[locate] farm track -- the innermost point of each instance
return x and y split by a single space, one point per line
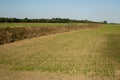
91 54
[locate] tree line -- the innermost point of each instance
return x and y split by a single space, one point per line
52 20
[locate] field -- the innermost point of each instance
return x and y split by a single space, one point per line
90 54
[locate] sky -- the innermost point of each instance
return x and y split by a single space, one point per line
95 10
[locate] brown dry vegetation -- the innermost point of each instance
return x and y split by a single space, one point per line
9 34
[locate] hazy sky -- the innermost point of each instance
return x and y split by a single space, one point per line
96 10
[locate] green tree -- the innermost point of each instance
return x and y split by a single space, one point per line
1 19
104 22
25 19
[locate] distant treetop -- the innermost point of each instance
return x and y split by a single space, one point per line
52 20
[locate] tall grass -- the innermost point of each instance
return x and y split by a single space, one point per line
12 34
38 24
